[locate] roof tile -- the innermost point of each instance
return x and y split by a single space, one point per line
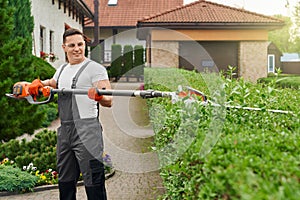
128 12
208 12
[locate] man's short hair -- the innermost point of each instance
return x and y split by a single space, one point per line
71 31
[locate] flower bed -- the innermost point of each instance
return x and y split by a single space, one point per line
37 159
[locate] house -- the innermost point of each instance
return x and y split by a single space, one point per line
118 20
274 55
290 63
51 18
209 36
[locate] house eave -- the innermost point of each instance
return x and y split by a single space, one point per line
212 26
112 27
85 9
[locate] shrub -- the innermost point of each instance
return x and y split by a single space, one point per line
127 58
116 58
38 157
138 55
14 179
41 151
282 81
255 154
138 60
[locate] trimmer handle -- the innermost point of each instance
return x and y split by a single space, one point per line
31 100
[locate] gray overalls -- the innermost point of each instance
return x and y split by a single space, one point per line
79 149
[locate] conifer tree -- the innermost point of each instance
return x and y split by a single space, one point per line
17 64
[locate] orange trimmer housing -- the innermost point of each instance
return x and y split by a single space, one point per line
20 89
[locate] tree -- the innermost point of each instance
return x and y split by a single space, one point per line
296 28
281 37
18 64
287 39
23 21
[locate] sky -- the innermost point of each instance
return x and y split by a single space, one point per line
266 7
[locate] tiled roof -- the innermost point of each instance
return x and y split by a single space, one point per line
127 12
208 12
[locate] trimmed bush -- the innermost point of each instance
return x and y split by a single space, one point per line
282 81
138 55
116 64
138 60
127 58
255 153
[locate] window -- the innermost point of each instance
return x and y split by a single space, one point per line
112 2
51 41
271 63
42 39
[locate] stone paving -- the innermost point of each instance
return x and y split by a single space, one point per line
127 138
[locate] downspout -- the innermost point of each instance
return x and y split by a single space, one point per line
96 23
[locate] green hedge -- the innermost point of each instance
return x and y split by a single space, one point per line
256 154
139 60
116 61
127 58
282 81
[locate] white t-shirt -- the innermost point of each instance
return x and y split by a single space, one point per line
93 72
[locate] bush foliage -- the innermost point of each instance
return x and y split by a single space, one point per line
17 64
41 151
282 81
116 61
254 154
13 179
127 58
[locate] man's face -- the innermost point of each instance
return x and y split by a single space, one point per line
74 47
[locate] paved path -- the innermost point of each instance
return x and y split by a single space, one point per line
127 138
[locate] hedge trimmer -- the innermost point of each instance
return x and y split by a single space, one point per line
20 92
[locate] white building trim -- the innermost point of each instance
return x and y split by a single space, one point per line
51 18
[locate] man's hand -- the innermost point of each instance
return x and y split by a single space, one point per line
34 87
92 93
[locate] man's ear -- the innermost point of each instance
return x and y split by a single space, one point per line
64 47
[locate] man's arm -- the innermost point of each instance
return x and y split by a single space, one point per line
49 82
106 101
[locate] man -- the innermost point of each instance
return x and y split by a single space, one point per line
79 140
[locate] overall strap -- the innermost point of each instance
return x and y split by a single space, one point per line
75 79
62 68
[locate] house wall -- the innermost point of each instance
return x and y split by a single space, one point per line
252 48
291 67
53 19
253 60
209 35
164 54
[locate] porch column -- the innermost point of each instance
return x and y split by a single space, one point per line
253 60
164 54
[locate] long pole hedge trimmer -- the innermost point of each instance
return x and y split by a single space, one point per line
20 91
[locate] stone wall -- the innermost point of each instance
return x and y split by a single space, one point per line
253 60
164 54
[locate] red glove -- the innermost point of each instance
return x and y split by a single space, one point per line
92 93
34 87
